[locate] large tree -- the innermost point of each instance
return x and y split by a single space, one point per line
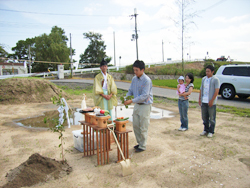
21 50
3 52
53 48
95 51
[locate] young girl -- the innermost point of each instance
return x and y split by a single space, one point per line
181 85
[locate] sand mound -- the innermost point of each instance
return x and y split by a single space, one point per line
24 90
37 169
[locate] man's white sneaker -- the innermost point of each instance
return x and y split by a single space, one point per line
203 133
184 129
209 135
180 129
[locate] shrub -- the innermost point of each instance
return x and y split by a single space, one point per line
195 72
129 69
215 64
123 77
172 69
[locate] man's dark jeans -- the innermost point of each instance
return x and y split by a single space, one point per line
208 116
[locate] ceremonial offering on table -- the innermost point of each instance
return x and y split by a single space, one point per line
102 117
120 124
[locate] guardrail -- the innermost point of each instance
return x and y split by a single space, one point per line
45 74
68 72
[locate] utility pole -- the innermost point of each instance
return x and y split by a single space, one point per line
182 28
114 51
136 35
71 64
29 61
162 52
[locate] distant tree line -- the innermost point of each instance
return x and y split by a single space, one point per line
53 48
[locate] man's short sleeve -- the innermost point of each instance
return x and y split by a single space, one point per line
217 83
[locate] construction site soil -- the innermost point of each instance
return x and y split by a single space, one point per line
31 157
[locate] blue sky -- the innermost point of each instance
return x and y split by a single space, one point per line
222 27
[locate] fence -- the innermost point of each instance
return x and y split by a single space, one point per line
68 72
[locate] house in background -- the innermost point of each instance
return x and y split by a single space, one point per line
13 68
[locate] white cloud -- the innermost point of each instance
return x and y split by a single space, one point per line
233 41
120 20
229 33
235 19
226 35
147 3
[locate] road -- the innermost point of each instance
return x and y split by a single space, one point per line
169 93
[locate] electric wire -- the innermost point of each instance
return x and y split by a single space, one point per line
56 14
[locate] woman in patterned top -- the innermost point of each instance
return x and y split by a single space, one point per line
183 103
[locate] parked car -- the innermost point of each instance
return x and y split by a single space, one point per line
234 80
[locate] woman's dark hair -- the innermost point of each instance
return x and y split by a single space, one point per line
190 76
210 67
139 64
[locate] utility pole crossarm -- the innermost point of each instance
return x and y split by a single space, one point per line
136 35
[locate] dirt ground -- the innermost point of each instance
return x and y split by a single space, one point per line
26 90
172 159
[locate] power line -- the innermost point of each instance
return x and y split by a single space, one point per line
36 61
4 24
54 14
214 5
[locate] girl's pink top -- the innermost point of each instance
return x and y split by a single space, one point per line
181 89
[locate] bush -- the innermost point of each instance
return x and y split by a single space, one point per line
195 72
172 69
215 64
91 66
123 77
129 69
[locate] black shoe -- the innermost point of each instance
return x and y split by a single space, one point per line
139 150
137 146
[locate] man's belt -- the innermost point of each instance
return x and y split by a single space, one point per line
140 103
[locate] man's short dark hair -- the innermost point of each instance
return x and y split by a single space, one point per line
139 64
210 67
190 76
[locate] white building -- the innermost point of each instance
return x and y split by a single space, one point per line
13 68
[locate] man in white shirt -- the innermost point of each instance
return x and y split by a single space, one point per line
207 100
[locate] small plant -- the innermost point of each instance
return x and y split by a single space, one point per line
127 98
58 128
123 77
88 176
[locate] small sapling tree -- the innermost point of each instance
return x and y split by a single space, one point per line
58 127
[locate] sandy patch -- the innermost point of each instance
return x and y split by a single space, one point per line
172 158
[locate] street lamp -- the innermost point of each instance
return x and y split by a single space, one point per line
120 61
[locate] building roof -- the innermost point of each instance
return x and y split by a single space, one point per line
12 64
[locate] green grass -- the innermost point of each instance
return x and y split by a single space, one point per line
75 91
172 83
243 112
